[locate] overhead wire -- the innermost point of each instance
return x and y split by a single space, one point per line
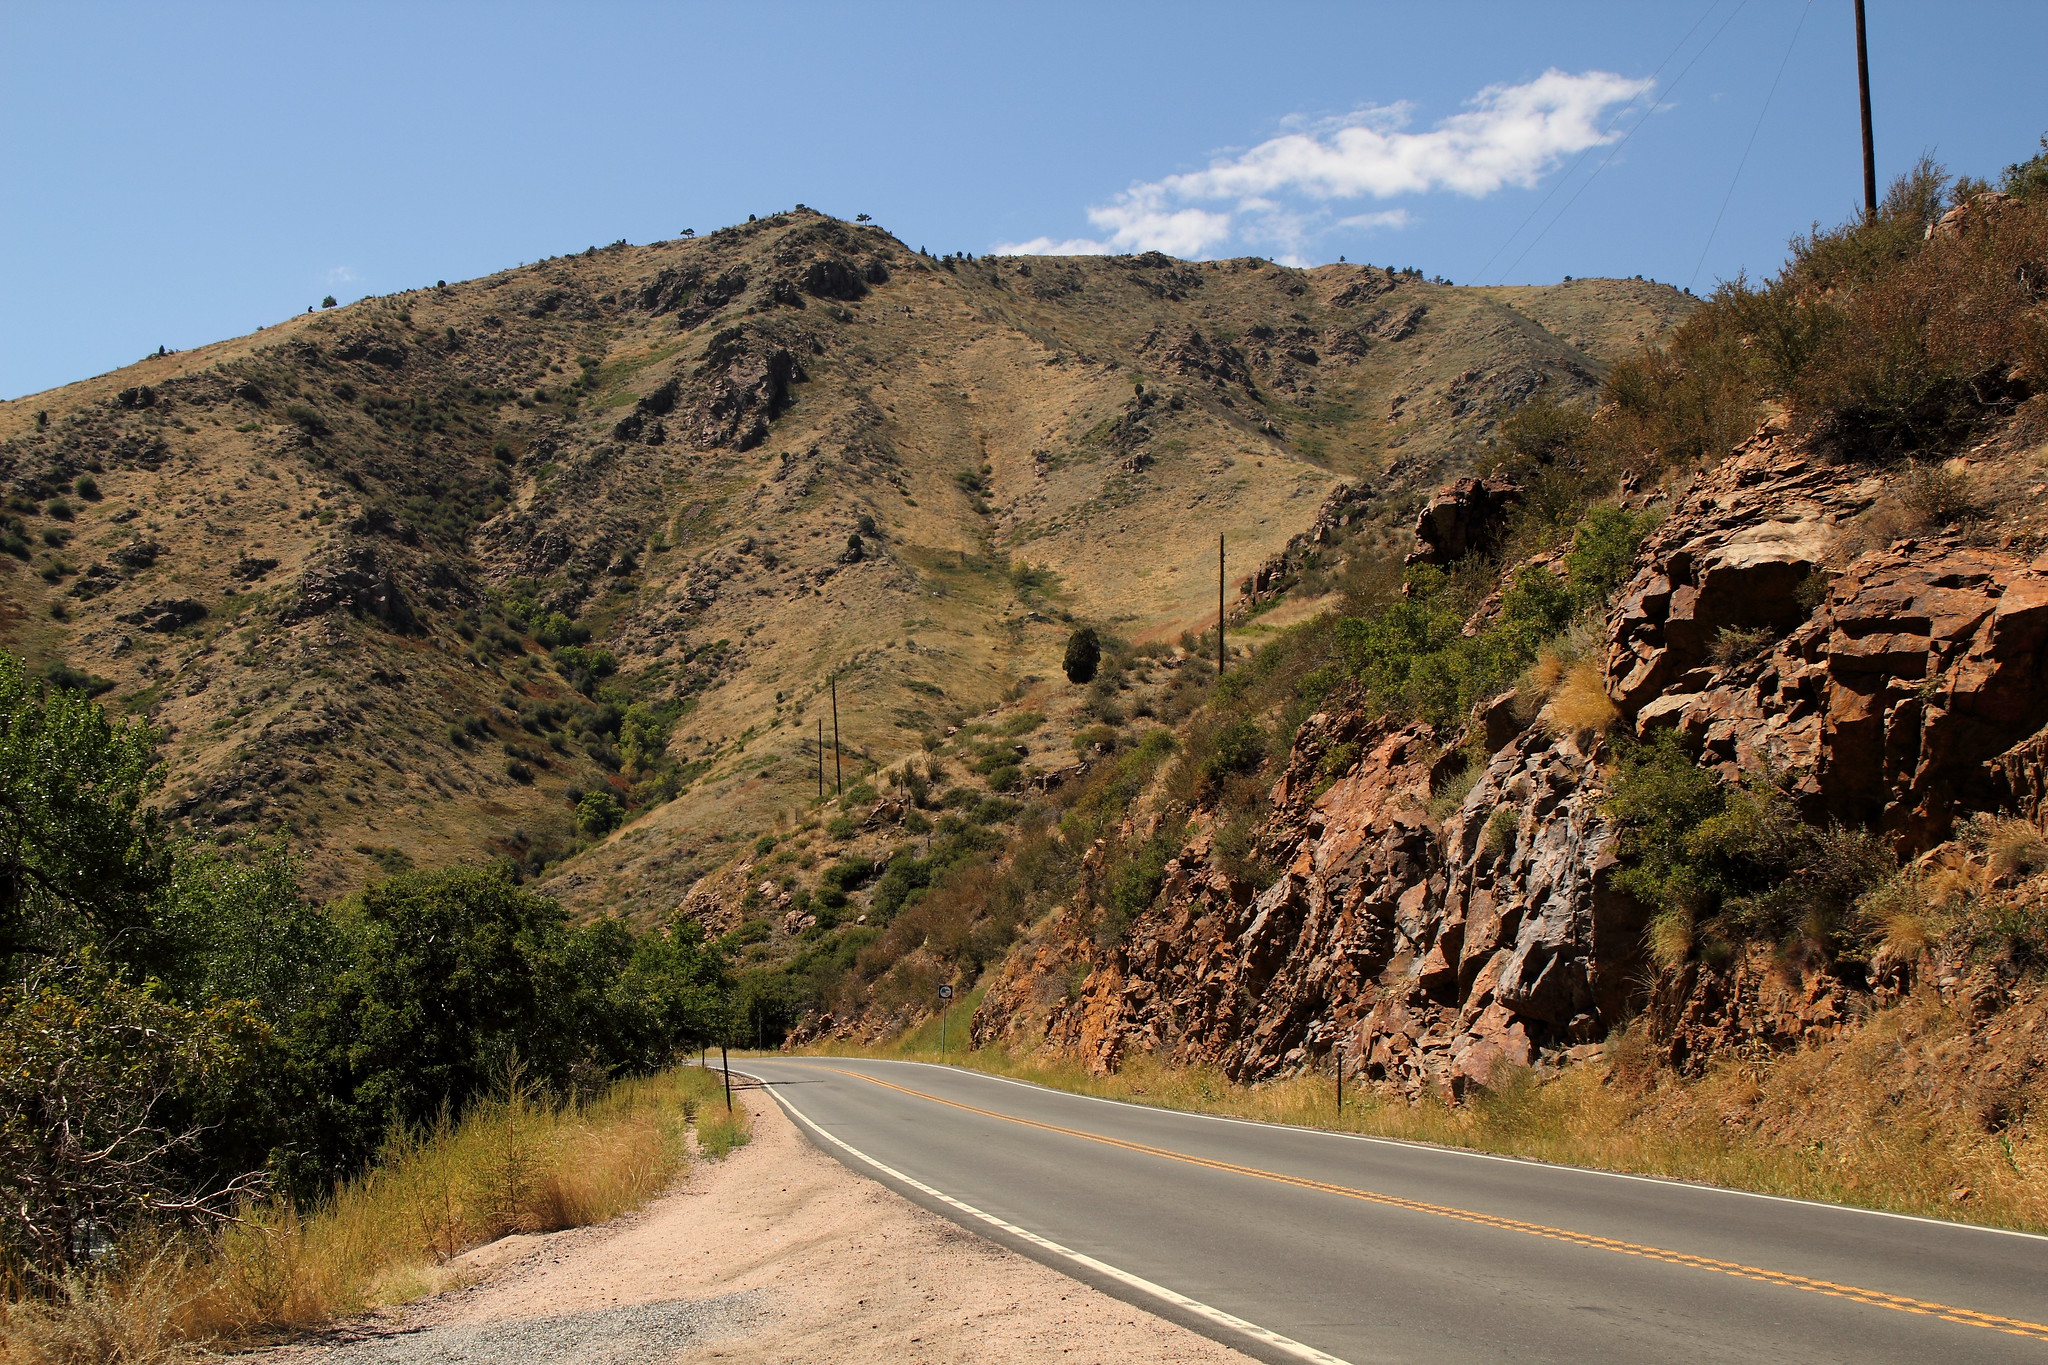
1786 61
1587 151
1616 149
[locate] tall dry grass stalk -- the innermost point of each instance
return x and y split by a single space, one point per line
1838 1122
517 1163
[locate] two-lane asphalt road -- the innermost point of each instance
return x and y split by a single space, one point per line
1296 1245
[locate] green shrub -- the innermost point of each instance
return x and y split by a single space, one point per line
598 814
1131 883
58 674
1723 865
1501 827
555 630
1083 656
306 419
1238 747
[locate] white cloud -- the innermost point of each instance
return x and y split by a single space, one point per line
1050 246
1277 194
341 275
1373 222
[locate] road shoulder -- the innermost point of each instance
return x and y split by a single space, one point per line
777 1253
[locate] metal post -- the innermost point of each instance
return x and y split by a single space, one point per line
1863 91
1340 1081
727 1067
838 773
1219 606
944 1010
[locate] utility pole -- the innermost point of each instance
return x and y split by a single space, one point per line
1863 90
1219 606
838 773
821 758
727 1068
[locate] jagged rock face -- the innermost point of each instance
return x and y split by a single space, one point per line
1423 955
1462 518
1697 1012
1732 556
1895 692
748 382
1886 701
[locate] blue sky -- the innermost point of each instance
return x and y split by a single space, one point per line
177 173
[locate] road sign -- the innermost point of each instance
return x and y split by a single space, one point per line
945 992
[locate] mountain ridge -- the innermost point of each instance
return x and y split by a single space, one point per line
610 520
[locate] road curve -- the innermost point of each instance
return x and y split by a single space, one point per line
1292 1245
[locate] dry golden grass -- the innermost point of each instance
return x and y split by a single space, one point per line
515 1164
2014 848
1579 704
1903 1113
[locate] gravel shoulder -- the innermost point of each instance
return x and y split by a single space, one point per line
778 1253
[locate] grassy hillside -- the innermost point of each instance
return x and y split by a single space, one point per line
485 568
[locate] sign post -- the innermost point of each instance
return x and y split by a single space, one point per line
945 1008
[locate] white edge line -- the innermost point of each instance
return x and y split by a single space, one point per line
1666 1182
1263 1335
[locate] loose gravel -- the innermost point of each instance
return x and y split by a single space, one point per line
631 1335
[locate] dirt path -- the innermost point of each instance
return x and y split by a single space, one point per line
776 1254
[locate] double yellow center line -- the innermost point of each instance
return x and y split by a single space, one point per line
1967 1317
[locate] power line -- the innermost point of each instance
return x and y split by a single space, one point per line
1804 10
1580 159
1616 151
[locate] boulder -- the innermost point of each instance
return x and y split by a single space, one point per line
165 615
1462 518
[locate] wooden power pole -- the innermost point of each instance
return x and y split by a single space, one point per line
1863 92
821 758
838 773
1219 606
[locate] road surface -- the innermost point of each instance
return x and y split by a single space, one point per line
1296 1245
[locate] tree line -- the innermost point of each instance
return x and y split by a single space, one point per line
183 1030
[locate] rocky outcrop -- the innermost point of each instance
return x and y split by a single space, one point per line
1427 951
356 581
1420 953
1463 518
747 379
1885 694
165 615
1347 505
1199 357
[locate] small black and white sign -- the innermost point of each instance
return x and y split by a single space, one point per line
945 992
